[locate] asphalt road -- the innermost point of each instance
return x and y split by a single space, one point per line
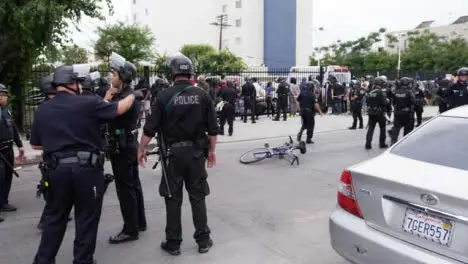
264 213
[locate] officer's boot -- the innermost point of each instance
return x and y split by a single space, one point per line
230 131
309 137
221 131
1 219
368 145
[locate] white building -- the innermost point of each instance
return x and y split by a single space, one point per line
176 22
458 29
274 33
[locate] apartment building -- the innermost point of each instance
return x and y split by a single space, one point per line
273 33
457 29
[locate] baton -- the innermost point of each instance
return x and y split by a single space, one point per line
163 167
9 165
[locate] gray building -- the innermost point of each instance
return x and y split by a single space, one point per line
457 29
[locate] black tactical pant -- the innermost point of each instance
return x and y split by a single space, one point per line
357 115
129 191
185 165
373 121
269 107
226 115
418 109
401 121
308 123
282 107
249 104
6 174
72 185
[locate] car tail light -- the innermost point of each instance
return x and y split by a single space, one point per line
346 198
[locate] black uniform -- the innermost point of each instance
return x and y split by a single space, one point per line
419 104
307 103
72 148
355 99
248 94
282 103
185 121
458 95
8 135
443 95
123 141
229 96
404 102
377 106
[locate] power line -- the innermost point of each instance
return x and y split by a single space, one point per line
221 23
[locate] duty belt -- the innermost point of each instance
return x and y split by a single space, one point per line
6 144
182 144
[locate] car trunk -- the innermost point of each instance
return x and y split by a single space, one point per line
421 203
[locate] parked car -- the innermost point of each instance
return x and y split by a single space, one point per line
409 204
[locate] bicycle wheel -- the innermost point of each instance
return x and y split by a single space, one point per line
255 155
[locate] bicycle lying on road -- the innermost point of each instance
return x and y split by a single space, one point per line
285 151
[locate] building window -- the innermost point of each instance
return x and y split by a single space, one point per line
238 22
239 4
134 2
238 40
146 11
225 8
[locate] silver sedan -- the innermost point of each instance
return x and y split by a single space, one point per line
409 204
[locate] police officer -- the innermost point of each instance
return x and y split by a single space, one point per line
308 104
388 93
282 103
46 87
8 135
123 144
377 104
89 84
404 102
103 87
355 98
229 96
458 92
419 103
72 149
185 120
443 95
249 94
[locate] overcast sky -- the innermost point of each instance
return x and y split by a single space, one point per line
341 19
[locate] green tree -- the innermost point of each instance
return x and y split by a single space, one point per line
133 42
73 55
29 27
208 60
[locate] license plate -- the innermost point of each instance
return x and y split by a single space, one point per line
429 227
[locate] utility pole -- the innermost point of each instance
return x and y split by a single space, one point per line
221 22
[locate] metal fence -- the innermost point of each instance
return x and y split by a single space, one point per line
33 97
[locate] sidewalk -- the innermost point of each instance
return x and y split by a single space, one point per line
264 128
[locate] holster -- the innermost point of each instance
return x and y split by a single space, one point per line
119 139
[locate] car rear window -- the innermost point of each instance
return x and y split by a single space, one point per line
442 141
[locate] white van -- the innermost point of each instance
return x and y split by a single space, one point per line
342 73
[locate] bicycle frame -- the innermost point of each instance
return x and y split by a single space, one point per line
286 149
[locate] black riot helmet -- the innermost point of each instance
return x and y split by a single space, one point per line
65 75
45 84
332 78
3 89
355 83
180 65
379 81
127 70
91 81
462 71
406 82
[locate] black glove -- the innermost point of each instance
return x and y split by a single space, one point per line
138 94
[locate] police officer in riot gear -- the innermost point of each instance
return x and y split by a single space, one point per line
404 102
72 149
185 119
458 92
443 95
229 96
248 94
123 144
355 98
309 105
89 84
45 85
377 104
388 93
8 136
282 103
419 103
